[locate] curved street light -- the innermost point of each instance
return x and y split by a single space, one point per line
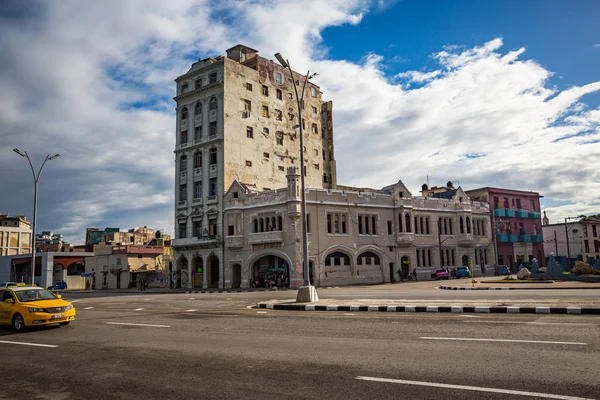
306 293
36 178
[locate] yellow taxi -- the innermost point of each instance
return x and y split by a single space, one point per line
23 306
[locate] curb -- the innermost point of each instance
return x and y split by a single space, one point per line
435 309
515 288
237 291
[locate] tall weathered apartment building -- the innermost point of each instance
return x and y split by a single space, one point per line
237 121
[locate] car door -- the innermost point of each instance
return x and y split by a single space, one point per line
5 308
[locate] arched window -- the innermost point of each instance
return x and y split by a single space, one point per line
337 258
279 223
273 224
184 113
368 258
213 104
198 109
213 156
462 225
468 225
407 220
400 222
255 225
198 159
183 163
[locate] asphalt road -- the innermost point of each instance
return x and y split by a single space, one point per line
220 349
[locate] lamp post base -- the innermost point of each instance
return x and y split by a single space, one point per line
307 294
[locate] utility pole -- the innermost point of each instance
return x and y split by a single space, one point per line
439 224
568 250
555 243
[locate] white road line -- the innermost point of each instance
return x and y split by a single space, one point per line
261 312
147 299
29 344
192 310
88 308
132 324
211 315
75 301
530 323
138 309
349 314
192 298
500 340
472 388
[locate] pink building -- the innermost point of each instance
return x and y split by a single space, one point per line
516 221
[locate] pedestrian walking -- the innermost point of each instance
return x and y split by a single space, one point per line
415 274
400 274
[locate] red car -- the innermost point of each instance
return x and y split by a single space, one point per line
441 274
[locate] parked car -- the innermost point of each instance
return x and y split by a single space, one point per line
7 284
58 285
463 272
501 270
441 274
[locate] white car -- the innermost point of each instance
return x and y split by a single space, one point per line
7 284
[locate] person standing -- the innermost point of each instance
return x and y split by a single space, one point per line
415 274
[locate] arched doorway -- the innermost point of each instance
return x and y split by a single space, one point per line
236 276
182 265
271 270
212 263
198 272
405 265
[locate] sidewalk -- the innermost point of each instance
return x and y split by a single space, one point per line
493 283
440 306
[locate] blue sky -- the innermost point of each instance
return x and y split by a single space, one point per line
488 93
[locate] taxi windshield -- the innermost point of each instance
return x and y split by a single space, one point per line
34 295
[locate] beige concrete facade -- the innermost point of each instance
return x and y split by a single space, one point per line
583 238
354 237
15 235
237 120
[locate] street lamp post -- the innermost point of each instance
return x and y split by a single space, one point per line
36 179
306 293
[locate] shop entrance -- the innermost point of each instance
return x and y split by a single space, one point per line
271 271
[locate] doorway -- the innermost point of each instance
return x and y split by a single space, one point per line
392 273
118 279
405 261
236 276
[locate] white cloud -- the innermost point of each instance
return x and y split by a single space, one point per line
71 90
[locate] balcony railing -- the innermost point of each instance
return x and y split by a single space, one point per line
525 238
535 214
466 239
265 237
196 240
522 214
499 212
233 242
405 238
537 238
509 212
513 238
501 238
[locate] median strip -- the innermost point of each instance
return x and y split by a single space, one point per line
471 388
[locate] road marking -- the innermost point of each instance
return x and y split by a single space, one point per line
72 301
472 388
212 315
132 324
261 312
147 299
530 323
349 314
29 344
501 340
138 309
88 308
192 298
192 310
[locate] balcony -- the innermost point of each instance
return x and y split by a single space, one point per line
525 238
405 239
509 212
522 214
535 214
537 238
499 212
184 124
466 239
501 238
196 241
197 171
234 242
265 237
513 238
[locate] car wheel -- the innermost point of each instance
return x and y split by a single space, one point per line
65 323
18 323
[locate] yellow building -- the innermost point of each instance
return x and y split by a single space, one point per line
15 235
